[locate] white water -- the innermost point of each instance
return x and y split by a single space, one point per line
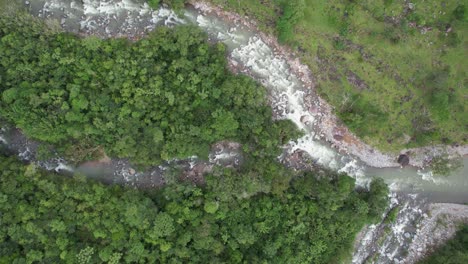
63 167
105 18
128 18
289 98
3 140
285 89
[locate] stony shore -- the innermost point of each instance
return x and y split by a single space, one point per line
440 225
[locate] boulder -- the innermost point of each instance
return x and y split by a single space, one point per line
403 160
338 137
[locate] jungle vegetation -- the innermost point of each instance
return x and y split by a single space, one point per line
395 71
48 218
166 96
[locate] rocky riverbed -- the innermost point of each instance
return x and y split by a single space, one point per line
292 95
439 225
327 126
296 97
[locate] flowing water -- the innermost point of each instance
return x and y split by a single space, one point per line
411 189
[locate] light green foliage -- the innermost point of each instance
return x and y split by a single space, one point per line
153 3
9 7
455 251
395 73
54 219
211 207
392 215
166 96
267 12
443 165
174 4
293 11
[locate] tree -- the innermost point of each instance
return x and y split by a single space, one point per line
165 96
51 218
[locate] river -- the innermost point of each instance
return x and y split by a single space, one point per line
291 96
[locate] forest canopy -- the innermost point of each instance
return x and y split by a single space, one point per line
49 218
165 96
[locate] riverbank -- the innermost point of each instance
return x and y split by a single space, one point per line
327 124
314 118
440 224
413 233
136 20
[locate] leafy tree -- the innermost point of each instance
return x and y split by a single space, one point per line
165 96
51 218
293 11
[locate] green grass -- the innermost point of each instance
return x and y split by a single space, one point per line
414 71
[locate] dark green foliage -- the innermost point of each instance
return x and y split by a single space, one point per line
377 198
460 13
388 3
153 3
362 117
166 96
54 219
293 11
455 251
392 215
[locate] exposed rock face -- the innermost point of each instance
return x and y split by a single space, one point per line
403 160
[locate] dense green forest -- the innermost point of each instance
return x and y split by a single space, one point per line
166 96
395 71
49 218
395 74
455 251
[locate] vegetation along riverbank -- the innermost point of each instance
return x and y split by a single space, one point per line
170 95
394 71
313 218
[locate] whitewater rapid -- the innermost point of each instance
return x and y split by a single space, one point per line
290 98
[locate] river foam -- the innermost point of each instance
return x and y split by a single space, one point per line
288 95
3 140
121 18
289 98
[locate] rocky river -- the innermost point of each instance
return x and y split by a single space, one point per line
415 192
